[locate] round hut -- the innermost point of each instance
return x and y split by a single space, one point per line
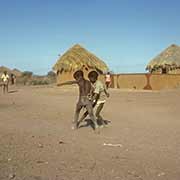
77 58
17 72
3 68
167 62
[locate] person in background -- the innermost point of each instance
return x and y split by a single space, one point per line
108 79
5 81
13 79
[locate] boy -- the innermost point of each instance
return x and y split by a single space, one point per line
85 89
99 97
5 80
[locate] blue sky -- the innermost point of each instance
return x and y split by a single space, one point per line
126 34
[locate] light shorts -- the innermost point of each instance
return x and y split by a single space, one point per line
100 102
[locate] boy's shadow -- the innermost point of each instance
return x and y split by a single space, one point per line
89 122
13 91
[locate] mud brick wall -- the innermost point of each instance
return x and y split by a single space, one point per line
146 81
135 81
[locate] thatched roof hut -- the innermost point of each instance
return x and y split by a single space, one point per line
77 58
167 61
16 72
3 68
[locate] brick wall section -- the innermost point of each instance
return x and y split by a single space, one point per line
146 81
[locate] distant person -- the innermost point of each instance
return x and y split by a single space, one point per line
5 81
108 79
85 90
13 79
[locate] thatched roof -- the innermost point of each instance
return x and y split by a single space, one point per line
170 57
17 72
3 68
9 71
78 57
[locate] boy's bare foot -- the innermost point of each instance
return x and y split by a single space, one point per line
96 128
103 125
74 126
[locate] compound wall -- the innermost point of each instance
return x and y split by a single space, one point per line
146 81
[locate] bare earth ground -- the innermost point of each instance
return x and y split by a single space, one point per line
37 143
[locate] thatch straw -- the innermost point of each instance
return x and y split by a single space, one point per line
168 59
76 58
3 68
16 72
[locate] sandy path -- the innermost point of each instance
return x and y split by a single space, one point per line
36 142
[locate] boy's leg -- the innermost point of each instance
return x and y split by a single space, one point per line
89 108
82 118
98 111
107 85
7 88
76 116
84 115
4 87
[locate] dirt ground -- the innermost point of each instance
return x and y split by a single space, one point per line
142 142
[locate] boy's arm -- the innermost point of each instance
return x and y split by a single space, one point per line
67 83
2 78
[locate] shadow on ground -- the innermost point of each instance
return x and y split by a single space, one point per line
89 123
12 91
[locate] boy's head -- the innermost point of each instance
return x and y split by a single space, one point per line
78 75
93 76
5 72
